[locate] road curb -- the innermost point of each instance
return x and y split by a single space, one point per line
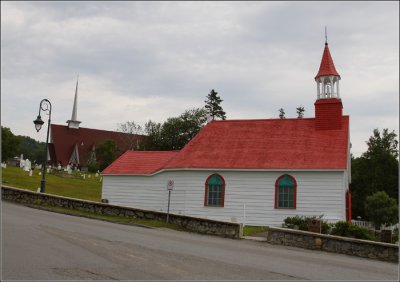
260 239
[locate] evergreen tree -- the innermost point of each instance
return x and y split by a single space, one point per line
281 113
213 106
300 112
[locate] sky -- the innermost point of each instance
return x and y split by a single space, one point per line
140 61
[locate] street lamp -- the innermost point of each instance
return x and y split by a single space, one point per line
45 106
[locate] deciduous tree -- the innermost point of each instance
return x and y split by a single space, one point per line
175 132
106 153
376 170
133 135
381 209
9 144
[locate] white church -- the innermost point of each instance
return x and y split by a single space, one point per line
255 172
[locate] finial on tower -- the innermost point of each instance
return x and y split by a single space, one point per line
326 36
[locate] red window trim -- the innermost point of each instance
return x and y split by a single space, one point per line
206 191
295 192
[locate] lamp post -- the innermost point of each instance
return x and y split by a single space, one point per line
45 106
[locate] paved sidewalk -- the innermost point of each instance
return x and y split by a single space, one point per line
257 237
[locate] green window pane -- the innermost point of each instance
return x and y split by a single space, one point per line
215 190
285 192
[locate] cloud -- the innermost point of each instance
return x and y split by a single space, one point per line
153 60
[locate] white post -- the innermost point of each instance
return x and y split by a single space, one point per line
244 215
318 89
337 88
323 87
169 200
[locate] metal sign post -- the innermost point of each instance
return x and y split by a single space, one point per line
170 187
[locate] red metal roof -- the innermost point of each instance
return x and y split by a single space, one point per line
64 140
140 162
250 144
327 66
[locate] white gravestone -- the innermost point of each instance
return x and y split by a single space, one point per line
27 166
69 170
21 161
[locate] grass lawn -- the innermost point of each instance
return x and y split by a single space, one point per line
112 218
250 230
88 189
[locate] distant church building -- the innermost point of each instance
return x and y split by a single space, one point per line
257 172
75 145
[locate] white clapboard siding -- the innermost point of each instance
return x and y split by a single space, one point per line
249 196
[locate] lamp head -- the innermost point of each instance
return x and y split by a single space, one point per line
38 123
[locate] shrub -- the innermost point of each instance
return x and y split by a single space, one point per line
301 223
295 222
345 229
395 235
93 167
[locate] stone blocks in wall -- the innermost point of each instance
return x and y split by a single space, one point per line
199 225
335 244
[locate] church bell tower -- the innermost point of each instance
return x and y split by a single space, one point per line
328 107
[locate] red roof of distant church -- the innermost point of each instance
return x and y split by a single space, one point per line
327 66
65 139
249 144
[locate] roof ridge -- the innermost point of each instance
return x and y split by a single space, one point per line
96 129
263 119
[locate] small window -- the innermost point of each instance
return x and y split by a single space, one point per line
215 191
285 192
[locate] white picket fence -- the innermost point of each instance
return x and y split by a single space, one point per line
369 225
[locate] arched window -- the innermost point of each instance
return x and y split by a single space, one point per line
285 192
215 191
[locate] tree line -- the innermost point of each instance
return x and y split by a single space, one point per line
175 132
15 145
375 179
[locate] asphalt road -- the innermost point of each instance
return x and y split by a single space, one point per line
40 245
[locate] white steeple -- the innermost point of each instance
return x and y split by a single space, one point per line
73 122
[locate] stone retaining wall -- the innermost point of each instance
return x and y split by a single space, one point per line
335 244
199 225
